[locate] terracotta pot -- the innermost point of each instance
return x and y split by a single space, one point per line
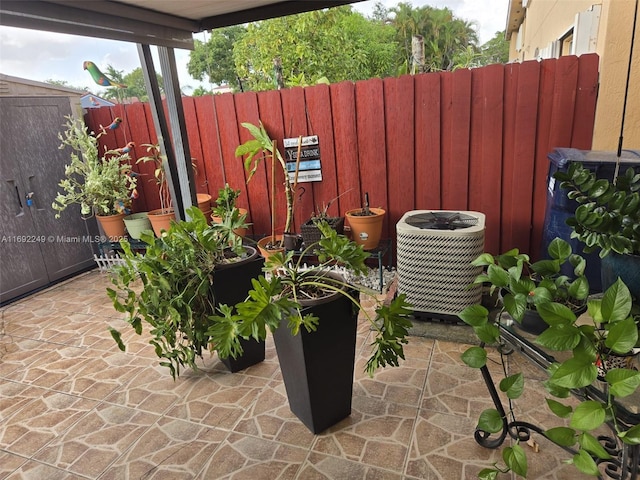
366 229
161 220
204 204
238 231
267 252
113 226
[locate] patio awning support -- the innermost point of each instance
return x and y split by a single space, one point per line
177 153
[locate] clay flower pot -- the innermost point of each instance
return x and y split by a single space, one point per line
161 220
366 229
113 226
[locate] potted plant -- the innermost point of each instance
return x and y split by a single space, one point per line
100 185
311 233
585 348
312 313
366 224
261 142
226 206
607 218
523 286
162 217
175 285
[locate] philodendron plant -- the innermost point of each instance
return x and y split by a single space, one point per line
277 296
170 286
612 330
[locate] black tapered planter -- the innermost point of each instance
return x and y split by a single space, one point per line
231 285
317 367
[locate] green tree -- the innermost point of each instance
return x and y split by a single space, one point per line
134 81
445 36
495 50
215 57
335 43
63 83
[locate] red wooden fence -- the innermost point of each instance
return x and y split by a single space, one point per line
465 140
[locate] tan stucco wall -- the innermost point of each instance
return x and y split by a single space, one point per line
547 20
616 30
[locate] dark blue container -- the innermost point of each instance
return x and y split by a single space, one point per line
559 207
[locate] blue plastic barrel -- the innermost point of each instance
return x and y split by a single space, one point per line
559 207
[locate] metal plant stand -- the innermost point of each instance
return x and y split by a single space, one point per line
624 463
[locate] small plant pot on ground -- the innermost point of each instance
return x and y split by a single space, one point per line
242 232
204 204
113 226
366 230
161 220
533 323
137 223
317 367
269 246
311 234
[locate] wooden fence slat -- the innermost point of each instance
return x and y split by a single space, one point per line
524 155
455 139
427 142
270 108
512 75
545 111
195 145
211 160
372 160
257 190
485 167
399 131
564 99
295 124
343 107
585 108
147 189
319 105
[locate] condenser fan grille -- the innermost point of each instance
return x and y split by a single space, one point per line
441 220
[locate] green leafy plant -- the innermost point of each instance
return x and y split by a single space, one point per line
226 201
612 330
159 174
253 149
276 297
525 285
608 212
176 297
100 185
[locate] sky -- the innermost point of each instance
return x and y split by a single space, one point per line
42 56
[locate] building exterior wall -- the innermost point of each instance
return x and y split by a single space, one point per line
21 87
544 25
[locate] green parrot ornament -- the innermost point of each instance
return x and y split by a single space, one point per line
99 77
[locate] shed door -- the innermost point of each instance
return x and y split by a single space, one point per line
37 249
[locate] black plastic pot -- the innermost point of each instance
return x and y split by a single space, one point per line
231 285
317 367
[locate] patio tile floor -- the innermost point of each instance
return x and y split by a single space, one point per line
73 406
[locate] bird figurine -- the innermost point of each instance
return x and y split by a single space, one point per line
99 77
127 148
112 126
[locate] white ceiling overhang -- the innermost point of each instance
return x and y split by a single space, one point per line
167 23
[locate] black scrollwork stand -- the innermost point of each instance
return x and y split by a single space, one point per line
624 463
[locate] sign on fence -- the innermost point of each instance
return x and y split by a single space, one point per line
309 168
